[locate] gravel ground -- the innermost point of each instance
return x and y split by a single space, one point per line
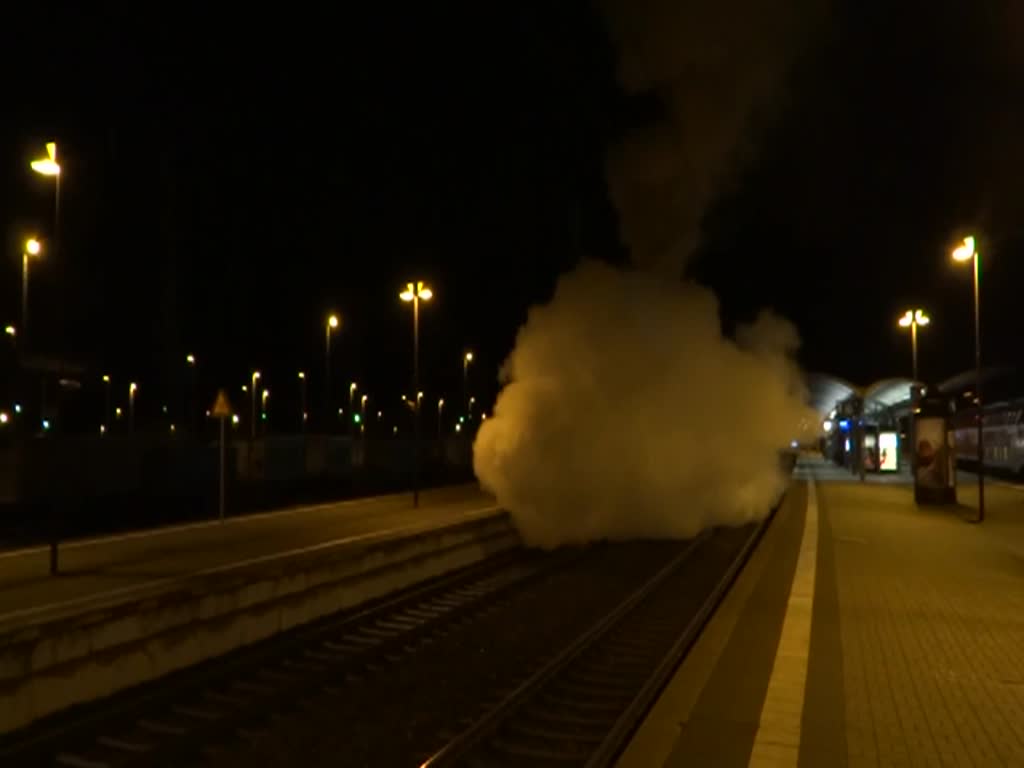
398 714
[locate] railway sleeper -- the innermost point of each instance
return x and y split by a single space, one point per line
396 624
306 667
448 603
579 720
161 727
610 705
523 726
612 670
376 632
353 642
602 679
567 754
73 760
634 646
277 676
424 614
613 660
574 688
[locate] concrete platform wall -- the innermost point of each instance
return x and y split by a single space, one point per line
62 660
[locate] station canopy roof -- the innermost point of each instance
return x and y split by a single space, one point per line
824 391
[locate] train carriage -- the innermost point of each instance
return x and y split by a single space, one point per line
1003 436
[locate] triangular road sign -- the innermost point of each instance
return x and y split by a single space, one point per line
221 407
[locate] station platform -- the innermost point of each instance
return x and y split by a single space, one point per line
864 631
111 570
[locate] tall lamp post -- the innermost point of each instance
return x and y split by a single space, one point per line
415 293
48 166
964 252
106 402
912 319
332 325
132 389
45 166
466 360
190 401
440 410
252 404
351 407
31 250
302 399
362 412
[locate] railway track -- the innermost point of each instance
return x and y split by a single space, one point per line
528 659
581 707
226 698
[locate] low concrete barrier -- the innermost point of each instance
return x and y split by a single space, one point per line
56 661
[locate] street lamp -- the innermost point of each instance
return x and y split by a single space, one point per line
263 407
252 404
333 323
414 293
106 399
48 166
32 249
132 389
351 395
912 319
191 405
362 412
967 251
440 410
11 331
469 415
466 360
302 398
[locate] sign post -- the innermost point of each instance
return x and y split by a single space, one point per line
221 410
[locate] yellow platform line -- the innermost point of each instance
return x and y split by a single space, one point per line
777 742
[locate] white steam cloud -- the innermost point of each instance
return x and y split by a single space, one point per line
626 413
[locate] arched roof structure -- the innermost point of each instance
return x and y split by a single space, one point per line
824 391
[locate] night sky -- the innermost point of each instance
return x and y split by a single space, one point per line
905 131
230 179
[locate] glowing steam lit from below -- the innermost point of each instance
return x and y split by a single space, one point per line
626 413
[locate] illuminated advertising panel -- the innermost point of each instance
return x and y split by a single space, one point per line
888 451
870 453
934 462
